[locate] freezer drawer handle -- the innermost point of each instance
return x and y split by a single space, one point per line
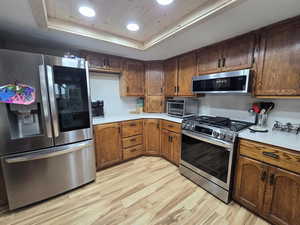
47 155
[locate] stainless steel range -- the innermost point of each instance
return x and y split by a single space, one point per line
208 150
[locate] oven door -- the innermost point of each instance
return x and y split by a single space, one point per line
209 157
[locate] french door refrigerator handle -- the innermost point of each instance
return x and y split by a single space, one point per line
52 100
44 96
45 155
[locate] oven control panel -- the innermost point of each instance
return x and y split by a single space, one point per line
217 133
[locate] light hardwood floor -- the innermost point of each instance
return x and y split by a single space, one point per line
144 191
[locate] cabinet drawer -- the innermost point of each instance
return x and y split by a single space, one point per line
132 128
132 141
171 126
132 152
270 154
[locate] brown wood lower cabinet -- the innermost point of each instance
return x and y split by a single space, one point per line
152 136
270 191
171 146
116 142
108 144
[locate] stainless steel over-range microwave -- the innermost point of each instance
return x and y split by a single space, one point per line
226 82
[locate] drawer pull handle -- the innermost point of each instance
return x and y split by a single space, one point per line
271 154
132 124
170 126
132 140
134 150
263 175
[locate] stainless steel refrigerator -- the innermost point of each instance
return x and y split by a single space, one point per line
46 147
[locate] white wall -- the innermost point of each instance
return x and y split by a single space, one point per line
105 87
236 107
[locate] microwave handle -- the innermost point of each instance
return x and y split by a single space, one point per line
228 147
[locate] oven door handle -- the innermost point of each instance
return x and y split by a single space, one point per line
229 147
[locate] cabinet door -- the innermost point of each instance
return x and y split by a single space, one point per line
283 197
166 144
187 69
279 67
154 79
96 60
238 53
209 59
250 183
170 76
108 144
176 148
132 79
114 64
155 104
152 136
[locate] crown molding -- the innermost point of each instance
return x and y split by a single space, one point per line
39 11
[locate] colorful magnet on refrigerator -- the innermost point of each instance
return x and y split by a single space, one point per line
17 94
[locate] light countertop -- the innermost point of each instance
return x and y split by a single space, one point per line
124 117
276 138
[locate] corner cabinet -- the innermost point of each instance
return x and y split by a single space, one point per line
268 182
132 79
154 99
279 57
108 144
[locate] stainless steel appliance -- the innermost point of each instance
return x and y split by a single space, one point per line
208 149
182 108
47 146
226 82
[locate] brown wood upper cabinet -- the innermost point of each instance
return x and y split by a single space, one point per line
152 136
186 71
171 77
108 144
233 54
155 104
154 79
278 64
132 80
102 63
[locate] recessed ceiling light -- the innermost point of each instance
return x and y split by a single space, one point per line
133 27
87 11
164 2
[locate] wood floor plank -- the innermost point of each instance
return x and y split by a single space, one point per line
144 191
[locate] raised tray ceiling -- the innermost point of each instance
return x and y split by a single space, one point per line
157 22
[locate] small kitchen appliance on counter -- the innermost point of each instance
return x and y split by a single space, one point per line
182 108
208 150
98 108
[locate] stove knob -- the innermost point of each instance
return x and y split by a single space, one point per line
215 134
